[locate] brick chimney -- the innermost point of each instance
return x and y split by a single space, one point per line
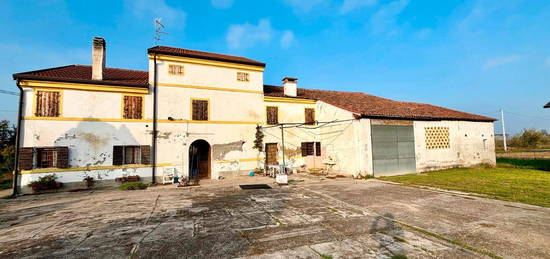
98 58
290 85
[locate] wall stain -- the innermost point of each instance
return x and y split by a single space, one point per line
220 150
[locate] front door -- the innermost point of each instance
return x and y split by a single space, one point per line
199 160
271 154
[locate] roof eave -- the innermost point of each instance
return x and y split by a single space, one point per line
153 51
368 116
93 82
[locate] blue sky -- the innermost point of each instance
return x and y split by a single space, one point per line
476 56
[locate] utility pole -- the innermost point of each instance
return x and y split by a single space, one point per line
503 130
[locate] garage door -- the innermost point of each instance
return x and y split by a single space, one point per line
393 149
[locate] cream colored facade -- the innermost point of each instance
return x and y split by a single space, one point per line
91 123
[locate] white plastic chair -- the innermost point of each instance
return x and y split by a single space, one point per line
168 174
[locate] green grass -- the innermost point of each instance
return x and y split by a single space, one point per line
133 186
509 184
539 164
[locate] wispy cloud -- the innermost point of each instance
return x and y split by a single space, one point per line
242 36
302 6
548 61
222 4
286 39
501 61
386 16
246 35
154 9
352 5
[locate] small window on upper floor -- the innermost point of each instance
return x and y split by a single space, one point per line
310 116
199 110
175 70
48 104
133 107
272 114
242 77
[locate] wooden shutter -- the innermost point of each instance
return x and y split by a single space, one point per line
26 155
145 154
118 155
304 149
62 157
200 110
310 116
318 148
47 104
133 106
271 153
272 115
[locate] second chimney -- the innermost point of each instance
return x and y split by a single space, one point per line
98 58
290 85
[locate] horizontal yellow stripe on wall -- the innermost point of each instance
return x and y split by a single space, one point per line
215 88
77 169
84 87
288 100
208 62
240 160
141 120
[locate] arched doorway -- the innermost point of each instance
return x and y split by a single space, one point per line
199 159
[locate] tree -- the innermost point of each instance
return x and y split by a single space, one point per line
531 138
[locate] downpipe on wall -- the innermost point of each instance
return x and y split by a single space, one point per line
154 144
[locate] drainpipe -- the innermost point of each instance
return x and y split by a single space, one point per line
17 140
154 147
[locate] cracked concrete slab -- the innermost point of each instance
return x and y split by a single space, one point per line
342 218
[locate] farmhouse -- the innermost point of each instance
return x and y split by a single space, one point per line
203 115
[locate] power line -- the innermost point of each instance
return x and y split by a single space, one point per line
9 92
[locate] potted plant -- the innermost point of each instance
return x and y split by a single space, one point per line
47 182
89 181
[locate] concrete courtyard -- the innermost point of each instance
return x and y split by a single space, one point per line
313 218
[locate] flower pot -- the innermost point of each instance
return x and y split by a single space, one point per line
281 179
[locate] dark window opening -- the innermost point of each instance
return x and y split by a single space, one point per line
310 116
133 106
43 157
127 155
311 148
47 104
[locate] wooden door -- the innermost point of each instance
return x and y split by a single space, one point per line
271 154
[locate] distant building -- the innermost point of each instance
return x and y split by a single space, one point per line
80 121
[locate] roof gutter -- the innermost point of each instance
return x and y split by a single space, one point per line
155 100
17 141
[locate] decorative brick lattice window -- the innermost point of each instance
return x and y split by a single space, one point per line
437 137
133 107
48 104
175 70
242 77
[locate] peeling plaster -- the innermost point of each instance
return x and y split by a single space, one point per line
219 151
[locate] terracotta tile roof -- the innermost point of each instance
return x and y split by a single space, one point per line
372 106
203 55
83 74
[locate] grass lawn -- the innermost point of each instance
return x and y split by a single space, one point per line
509 184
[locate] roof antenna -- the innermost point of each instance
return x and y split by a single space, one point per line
158 30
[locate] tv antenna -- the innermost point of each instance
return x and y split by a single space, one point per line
158 30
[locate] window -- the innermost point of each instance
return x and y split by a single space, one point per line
272 114
437 137
43 157
133 107
48 104
242 77
311 148
175 70
126 155
199 110
310 116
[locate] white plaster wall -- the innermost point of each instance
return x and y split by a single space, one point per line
203 75
471 143
88 104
